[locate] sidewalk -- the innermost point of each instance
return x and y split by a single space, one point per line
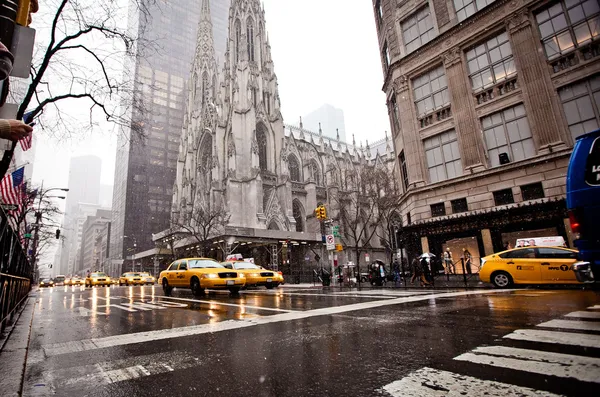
441 281
13 356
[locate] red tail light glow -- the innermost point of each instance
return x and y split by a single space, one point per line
574 221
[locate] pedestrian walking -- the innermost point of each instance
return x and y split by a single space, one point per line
448 262
415 268
467 258
426 271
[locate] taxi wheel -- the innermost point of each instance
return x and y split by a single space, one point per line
234 290
197 290
502 280
166 289
270 286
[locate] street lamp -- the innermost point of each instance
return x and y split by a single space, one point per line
38 220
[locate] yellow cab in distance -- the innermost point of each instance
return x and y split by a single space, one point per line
97 279
200 274
255 275
131 279
74 281
148 278
529 265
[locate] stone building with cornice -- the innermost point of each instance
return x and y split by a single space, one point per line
485 100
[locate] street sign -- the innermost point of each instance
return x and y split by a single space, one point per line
10 207
336 231
367 258
330 241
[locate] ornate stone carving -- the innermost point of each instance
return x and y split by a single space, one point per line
230 146
400 84
518 20
452 56
254 144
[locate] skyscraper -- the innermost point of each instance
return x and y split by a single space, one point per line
84 187
144 174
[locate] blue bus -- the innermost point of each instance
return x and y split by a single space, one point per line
583 204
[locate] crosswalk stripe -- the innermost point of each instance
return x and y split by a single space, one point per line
570 324
585 369
583 314
555 337
594 307
432 382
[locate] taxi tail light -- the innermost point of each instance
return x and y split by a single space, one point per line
280 273
574 219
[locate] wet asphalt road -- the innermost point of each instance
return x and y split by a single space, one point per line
133 341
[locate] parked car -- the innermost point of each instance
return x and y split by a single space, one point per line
199 274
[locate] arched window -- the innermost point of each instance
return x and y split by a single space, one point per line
314 173
261 139
214 86
205 161
273 226
250 33
298 215
238 39
294 169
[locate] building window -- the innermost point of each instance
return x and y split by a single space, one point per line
261 140
565 26
298 216
459 205
250 32
314 173
491 62
532 191
238 39
581 102
466 8
443 156
503 197
431 91
417 29
379 12
386 55
403 170
438 209
294 169
408 218
508 132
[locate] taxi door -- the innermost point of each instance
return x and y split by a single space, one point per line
182 274
523 266
171 273
557 265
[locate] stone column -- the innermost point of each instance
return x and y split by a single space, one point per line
424 244
533 77
413 149
488 246
463 110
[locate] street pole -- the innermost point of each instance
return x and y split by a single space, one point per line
38 218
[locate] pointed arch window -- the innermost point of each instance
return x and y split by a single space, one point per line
250 33
261 139
298 216
238 40
214 87
294 167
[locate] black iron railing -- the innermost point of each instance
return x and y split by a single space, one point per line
16 273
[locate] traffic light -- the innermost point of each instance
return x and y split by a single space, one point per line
323 212
26 8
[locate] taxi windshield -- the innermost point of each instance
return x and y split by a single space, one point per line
145 274
245 265
132 274
96 275
202 264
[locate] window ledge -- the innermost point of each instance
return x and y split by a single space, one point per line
496 92
435 117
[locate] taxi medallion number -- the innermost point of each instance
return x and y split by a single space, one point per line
269 280
230 282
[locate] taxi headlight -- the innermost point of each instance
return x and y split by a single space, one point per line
210 275
254 275
241 275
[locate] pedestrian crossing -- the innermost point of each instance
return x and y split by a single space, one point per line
583 329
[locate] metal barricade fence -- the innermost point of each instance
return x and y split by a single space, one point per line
15 273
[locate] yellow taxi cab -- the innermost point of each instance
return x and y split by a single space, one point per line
148 278
97 278
74 281
131 279
255 275
199 274
529 265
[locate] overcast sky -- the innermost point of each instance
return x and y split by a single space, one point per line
325 51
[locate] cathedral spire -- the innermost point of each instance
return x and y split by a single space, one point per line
204 69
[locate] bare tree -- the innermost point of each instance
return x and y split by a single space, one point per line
387 196
82 55
203 223
358 214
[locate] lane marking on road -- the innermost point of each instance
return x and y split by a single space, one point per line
90 377
571 324
556 337
151 336
594 307
582 368
432 382
335 295
239 305
582 314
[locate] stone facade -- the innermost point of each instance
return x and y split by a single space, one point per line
237 154
493 84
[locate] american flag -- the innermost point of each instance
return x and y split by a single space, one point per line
10 187
25 143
